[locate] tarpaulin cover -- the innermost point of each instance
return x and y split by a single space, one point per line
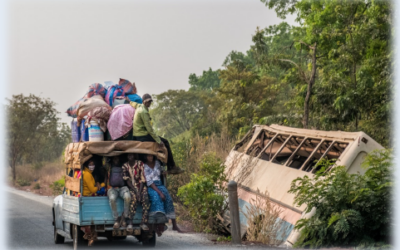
127 86
100 115
96 89
73 110
78 153
89 104
120 121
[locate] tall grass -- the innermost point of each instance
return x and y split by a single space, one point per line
264 222
47 173
188 154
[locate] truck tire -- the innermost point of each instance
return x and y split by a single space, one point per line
75 236
149 242
58 239
111 238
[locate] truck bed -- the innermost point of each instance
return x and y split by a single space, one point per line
96 210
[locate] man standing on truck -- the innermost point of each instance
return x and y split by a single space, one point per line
143 130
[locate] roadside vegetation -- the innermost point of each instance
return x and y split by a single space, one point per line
331 71
39 180
351 209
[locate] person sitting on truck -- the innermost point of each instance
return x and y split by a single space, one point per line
133 172
160 200
90 187
117 188
143 130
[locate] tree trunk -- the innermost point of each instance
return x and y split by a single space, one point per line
14 173
309 87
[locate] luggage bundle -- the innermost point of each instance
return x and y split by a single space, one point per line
103 110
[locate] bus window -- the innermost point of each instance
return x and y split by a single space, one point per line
261 141
286 149
240 147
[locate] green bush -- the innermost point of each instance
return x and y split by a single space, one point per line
23 182
351 209
58 186
36 186
204 196
37 165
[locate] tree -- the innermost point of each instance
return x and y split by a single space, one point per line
176 111
246 95
33 132
352 87
207 81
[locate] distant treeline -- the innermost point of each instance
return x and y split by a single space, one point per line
34 132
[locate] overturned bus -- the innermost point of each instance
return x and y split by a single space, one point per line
269 158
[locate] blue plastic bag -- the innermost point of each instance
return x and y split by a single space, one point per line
102 191
84 131
135 98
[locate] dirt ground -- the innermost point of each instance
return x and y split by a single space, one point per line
43 190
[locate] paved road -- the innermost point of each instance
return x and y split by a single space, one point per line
30 227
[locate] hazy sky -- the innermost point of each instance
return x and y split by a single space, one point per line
58 48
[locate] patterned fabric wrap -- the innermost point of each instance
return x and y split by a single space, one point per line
121 120
95 89
157 205
127 86
113 92
101 115
73 110
144 200
134 174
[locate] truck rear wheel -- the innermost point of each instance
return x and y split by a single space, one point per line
149 242
58 239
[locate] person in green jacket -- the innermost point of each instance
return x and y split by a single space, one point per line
143 130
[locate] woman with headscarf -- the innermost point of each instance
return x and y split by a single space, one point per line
90 188
160 200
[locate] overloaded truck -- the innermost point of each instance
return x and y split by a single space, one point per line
71 211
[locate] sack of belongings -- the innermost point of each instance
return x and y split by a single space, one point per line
72 111
121 120
90 104
101 115
123 88
96 89
112 93
75 131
